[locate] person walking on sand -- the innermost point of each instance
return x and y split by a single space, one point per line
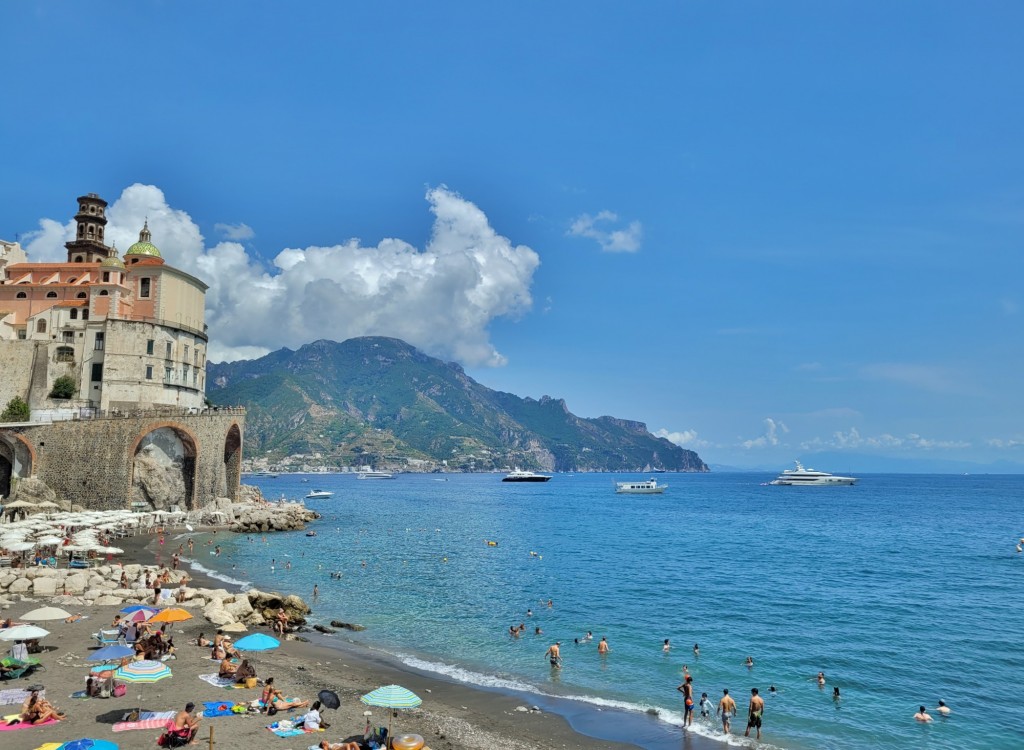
554 655
727 708
922 715
602 647
687 690
756 709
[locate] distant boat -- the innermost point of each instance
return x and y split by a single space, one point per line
640 487
801 477
264 474
319 495
519 475
367 472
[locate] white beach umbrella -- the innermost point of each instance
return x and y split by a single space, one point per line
46 613
23 633
21 546
48 541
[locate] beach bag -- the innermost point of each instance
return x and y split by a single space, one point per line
250 682
120 690
104 692
271 709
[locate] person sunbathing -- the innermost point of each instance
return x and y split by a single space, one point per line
244 672
325 745
274 697
37 710
227 668
203 641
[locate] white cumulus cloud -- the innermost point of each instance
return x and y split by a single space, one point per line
852 440
684 439
770 437
606 229
440 299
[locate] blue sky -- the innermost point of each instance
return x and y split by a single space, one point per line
766 229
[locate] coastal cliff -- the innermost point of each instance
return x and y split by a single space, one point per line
381 402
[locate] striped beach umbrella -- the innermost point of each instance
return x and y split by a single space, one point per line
136 607
143 671
393 697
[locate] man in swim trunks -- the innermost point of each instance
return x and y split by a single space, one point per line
687 690
727 708
754 713
554 655
602 647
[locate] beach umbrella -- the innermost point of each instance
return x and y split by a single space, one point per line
46 613
140 615
142 671
136 607
329 699
22 633
393 697
47 504
171 614
21 546
112 652
88 744
18 504
257 642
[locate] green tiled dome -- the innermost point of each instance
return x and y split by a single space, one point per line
113 262
144 246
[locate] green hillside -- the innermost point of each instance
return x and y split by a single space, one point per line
380 401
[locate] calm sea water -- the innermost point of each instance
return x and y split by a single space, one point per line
904 589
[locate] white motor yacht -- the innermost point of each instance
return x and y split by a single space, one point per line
801 477
640 487
520 475
367 472
319 495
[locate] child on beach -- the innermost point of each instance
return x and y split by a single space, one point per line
705 706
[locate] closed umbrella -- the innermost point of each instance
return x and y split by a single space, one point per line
393 697
171 614
257 642
46 613
23 633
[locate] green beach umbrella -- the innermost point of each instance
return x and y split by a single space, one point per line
392 697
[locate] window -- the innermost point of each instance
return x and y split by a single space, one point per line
97 372
185 355
195 358
21 334
99 344
81 295
106 276
149 372
104 293
74 313
149 346
40 326
79 258
69 337
21 295
184 373
167 374
144 287
195 375
168 354
65 354
73 279
51 295
85 314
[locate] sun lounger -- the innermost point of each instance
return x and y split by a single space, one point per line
107 637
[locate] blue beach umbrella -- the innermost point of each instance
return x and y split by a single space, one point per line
111 653
257 642
88 744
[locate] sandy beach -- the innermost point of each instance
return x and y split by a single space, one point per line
452 716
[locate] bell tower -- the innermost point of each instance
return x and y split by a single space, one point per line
91 219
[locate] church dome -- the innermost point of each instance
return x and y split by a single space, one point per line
144 246
112 262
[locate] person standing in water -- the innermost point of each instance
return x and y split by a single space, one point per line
602 647
727 708
696 650
666 647
755 711
687 690
553 655
922 715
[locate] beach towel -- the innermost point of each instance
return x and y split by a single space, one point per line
5 727
218 681
125 726
218 708
16 695
287 731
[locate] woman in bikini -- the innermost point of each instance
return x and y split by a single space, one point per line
274 697
37 710
244 672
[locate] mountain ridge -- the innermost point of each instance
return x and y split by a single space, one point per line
380 401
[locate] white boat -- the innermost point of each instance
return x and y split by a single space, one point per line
520 475
368 473
319 495
801 477
640 487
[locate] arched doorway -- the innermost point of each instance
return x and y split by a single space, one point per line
232 461
15 461
164 469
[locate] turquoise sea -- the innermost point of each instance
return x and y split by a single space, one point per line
903 589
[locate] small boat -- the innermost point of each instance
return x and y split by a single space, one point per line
801 477
310 533
520 475
640 487
319 495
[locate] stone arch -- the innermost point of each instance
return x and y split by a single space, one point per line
164 457
17 460
232 461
